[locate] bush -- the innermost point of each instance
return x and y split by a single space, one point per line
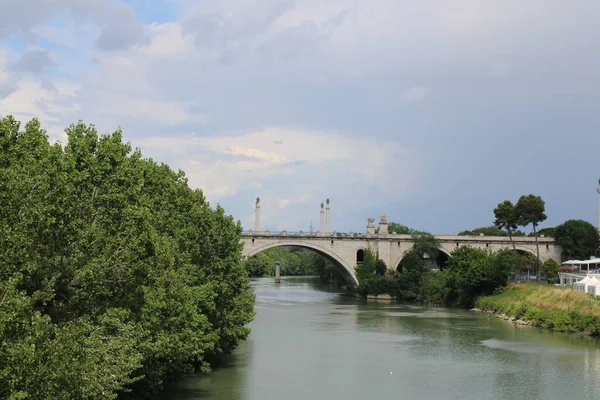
550 270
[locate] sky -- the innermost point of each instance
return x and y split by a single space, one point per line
431 112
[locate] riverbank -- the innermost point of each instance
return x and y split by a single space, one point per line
559 309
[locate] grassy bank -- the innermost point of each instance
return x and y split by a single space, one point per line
559 309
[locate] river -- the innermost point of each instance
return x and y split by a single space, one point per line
311 342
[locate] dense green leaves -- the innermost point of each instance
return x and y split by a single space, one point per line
293 261
579 239
548 232
366 269
115 254
397 228
550 270
506 218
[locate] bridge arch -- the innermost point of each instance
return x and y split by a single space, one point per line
347 270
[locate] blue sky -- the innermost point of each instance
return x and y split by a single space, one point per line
430 112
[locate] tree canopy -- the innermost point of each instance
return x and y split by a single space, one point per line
531 209
506 218
579 239
114 274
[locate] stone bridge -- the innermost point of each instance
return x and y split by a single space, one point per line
346 250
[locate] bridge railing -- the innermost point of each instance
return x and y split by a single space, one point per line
445 238
307 234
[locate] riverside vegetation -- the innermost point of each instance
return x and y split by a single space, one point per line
472 273
560 309
115 276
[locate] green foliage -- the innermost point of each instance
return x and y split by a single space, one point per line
579 239
547 307
396 228
486 230
490 231
511 261
379 285
294 261
425 243
380 267
547 232
326 270
530 209
506 218
114 274
257 265
474 272
410 274
366 270
550 270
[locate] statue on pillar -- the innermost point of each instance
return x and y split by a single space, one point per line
383 225
371 226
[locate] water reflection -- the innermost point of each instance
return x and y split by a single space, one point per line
312 341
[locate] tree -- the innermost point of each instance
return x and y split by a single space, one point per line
115 275
394 227
548 232
380 267
510 260
397 228
578 239
506 218
474 272
550 270
425 243
530 209
366 269
257 265
486 231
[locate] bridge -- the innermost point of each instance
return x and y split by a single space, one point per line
346 250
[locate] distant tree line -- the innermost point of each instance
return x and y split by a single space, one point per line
294 261
470 272
115 276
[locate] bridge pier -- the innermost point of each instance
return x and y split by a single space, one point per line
277 272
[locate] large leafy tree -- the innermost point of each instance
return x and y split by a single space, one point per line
506 218
395 227
117 254
474 272
425 243
578 239
531 209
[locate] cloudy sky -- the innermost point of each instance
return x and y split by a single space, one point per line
430 111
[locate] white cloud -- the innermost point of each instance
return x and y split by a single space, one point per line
315 73
302 162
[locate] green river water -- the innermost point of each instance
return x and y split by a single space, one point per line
311 342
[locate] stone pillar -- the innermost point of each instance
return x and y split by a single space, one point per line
257 215
322 219
371 226
327 216
598 190
383 225
277 272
